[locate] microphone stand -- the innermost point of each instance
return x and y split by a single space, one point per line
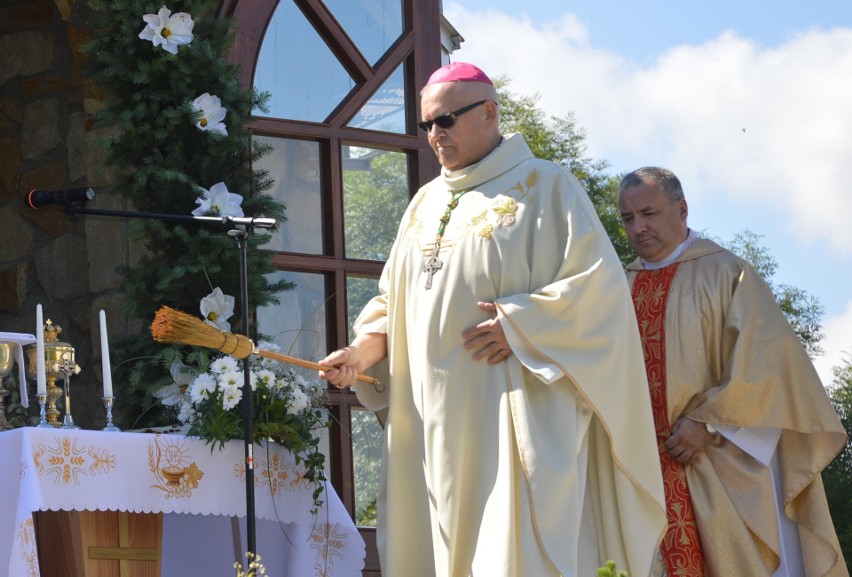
242 228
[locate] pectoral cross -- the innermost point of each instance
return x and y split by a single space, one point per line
432 265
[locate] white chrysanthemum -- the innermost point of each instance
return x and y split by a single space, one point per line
231 396
219 201
266 378
167 30
230 379
217 308
212 113
226 364
299 403
201 388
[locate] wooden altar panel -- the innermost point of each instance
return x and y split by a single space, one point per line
99 543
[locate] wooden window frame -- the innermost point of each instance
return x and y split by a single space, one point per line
419 49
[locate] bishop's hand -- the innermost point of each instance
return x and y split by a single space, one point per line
487 339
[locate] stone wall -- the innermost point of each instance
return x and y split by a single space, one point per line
48 140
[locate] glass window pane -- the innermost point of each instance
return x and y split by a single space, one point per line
358 292
373 25
385 110
297 323
367 439
375 194
295 167
303 76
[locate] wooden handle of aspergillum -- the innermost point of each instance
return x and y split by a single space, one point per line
316 366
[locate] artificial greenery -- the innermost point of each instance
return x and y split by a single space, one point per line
165 160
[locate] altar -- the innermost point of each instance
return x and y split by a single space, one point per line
200 493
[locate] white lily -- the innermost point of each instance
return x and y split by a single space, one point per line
218 200
167 30
217 308
212 113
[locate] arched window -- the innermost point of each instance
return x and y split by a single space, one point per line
345 158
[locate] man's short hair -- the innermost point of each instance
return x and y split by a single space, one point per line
667 180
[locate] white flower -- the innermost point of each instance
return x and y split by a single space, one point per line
167 30
170 395
230 379
299 403
201 388
212 113
231 396
226 364
266 378
218 201
187 413
217 308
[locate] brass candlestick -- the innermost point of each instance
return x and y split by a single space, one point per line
55 352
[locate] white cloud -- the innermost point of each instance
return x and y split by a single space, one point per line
837 344
761 124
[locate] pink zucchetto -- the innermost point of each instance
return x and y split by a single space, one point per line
458 72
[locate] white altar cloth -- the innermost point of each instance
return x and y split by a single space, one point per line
61 469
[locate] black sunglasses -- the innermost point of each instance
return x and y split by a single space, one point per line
448 119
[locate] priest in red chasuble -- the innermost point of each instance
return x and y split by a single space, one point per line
743 422
519 439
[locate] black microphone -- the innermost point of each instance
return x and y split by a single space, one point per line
39 198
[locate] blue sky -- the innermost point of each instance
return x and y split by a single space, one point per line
750 103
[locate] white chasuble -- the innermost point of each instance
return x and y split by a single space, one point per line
504 470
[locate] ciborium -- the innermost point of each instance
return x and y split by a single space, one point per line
7 361
55 353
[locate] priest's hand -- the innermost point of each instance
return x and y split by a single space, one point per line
688 441
345 364
487 338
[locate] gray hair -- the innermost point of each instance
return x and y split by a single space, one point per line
667 180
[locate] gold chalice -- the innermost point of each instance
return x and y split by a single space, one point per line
7 362
55 353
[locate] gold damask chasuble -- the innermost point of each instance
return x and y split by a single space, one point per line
488 469
732 359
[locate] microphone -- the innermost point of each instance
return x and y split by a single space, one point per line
39 198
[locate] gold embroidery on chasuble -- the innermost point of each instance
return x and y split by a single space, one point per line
681 546
502 213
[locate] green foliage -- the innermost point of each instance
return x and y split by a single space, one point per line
609 570
803 311
164 159
837 475
563 141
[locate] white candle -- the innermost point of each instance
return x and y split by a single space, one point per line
105 357
41 375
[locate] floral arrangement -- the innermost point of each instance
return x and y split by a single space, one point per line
288 406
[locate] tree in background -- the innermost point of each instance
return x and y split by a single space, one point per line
168 150
837 475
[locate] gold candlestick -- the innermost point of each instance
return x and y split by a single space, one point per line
55 352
